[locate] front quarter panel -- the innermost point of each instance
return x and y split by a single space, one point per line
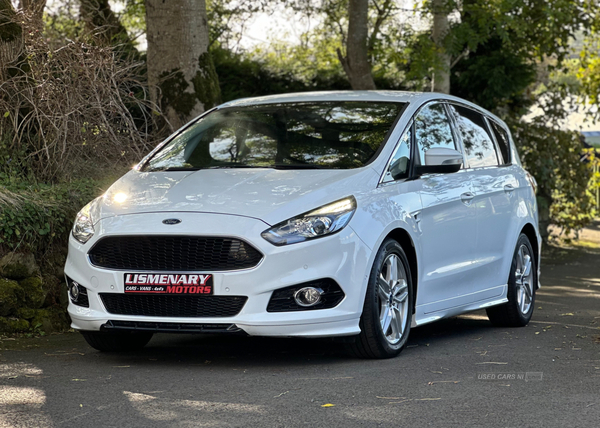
390 206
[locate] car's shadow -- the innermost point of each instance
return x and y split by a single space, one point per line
262 351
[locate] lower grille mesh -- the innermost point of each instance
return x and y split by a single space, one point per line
173 306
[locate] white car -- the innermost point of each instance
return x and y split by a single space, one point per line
323 214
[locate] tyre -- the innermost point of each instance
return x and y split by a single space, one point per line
522 282
116 342
387 312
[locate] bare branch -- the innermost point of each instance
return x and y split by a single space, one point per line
76 108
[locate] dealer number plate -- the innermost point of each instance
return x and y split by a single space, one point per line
168 283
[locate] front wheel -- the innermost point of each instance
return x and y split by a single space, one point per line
385 321
521 289
116 342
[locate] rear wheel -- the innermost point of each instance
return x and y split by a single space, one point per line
385 321
521 289
116 342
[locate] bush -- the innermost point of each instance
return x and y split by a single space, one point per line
71 111
37 218
554 157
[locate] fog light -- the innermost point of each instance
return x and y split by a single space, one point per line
308 296
74 291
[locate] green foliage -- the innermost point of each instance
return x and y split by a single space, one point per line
206 81
173 89
133 18
62 26
37 217
240 77
493 76
228 17
593 158
589 70
496 47
553 157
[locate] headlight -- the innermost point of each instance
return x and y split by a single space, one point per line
83 229
328 219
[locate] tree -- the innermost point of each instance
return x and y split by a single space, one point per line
356 30
499 55
356 62
11 38
589 68
181 73
102 23
439 31
36 7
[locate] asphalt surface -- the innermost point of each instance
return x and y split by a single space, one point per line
458 372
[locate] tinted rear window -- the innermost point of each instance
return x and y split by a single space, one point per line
477 142
287 135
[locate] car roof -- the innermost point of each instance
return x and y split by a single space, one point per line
374 96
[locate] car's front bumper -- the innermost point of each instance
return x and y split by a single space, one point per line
342 257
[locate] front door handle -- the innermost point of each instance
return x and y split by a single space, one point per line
509 188
467 197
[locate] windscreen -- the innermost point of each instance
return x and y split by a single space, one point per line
338 135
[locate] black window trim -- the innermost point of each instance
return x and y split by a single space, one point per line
413 150
490 133
492 121
382 180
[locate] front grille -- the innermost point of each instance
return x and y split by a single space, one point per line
170 327
282 300
173 306
173 253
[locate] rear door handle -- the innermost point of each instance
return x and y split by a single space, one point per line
509 188
467 197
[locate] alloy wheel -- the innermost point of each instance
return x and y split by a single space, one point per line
392 291
524 279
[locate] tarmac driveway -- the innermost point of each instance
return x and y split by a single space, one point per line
459 372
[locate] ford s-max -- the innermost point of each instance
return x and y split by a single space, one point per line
326 214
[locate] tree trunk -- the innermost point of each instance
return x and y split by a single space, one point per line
11 38
181 73
440 29
356 62
36 7
103 24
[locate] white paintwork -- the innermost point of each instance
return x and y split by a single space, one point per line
463 247
443 156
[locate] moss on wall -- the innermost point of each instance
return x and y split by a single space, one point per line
36 303
9 292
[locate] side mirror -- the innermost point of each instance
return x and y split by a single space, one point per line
440 160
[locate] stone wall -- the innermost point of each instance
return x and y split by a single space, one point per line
32 299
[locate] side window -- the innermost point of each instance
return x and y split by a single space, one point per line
503 141
398 167
478 144
432 129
